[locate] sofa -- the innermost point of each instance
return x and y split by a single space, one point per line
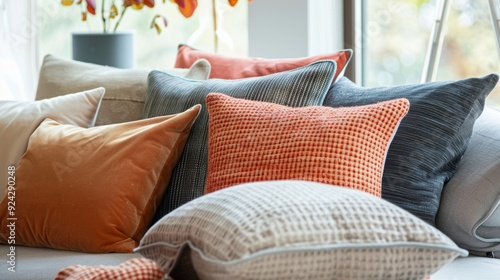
273 169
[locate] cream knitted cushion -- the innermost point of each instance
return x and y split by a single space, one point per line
295 230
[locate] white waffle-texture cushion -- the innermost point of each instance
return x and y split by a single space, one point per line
295 230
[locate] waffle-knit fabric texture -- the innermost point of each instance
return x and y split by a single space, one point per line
297 230
257 141
133 269
168 94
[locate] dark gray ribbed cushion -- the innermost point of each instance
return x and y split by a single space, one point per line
168 94
431 139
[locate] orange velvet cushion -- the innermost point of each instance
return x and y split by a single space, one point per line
225 67
96 189
257 141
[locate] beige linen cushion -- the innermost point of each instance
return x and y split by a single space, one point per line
295 230
20 118
125 88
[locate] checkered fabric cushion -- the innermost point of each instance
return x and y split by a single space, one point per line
257 141
133 269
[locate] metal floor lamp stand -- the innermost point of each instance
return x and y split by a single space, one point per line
437 35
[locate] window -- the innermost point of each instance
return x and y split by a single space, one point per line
396 35
152 51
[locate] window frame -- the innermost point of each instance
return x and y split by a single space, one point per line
354 38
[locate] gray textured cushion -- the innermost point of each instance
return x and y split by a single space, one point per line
470 205
168 94
296 230
430 140
125 88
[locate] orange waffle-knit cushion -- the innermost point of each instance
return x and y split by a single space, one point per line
257 141
226 67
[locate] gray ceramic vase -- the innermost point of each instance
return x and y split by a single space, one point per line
111 49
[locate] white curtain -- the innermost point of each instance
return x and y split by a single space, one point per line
19 28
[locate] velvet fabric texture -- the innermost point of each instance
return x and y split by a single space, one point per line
252 141
96 189
18 120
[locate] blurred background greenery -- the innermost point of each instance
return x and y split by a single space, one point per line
397 35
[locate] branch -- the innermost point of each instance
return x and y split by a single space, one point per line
103 17
214 14
120 19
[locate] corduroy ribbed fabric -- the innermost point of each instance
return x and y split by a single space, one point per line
168 94
430 140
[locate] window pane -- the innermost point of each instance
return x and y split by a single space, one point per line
151 50
397 33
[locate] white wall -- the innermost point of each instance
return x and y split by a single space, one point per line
294 28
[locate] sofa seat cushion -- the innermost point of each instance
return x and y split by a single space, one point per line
468 268
44 263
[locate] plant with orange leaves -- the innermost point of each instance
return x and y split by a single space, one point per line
112 13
